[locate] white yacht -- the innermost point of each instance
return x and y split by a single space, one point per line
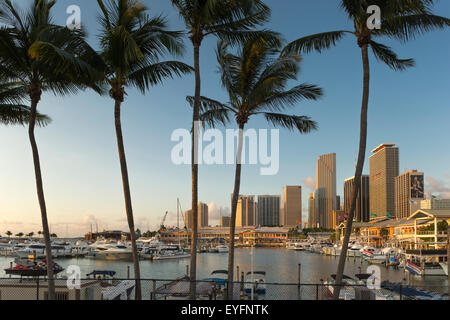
110 251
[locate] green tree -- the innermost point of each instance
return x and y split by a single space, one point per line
19 235
39 56
53 235
401 20
9 234
31 234
12 109
256 80
132 44
233 21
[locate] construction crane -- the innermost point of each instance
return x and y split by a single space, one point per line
163 220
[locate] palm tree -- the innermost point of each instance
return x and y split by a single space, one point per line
132 44
39 233
12 109
256 81
19 235
31 234
9 234
402 20
233 21
41 56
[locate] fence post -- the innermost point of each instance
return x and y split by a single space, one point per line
237 273
317 292
128 272
37 288
400 290
299 279
187 270
153 295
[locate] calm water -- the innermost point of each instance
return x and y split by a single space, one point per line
281 266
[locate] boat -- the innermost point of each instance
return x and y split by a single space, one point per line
413 269
219 277
255 281
32 268
111 251
113 289
170 252
347 290
221 248
444 267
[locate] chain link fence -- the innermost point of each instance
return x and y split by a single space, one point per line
179 289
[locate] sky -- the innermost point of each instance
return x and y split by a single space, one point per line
78 151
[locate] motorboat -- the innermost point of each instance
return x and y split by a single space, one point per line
256 281
32 268
111 251
219 277
221 248
113 289
444 267
170 252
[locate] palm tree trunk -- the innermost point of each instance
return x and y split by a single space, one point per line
359 168
237 184
127 195
35 96
194 169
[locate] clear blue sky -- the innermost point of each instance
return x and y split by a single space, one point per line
79 155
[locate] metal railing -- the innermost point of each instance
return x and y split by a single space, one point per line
178 289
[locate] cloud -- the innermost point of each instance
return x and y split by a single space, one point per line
214 213
310 183
437 187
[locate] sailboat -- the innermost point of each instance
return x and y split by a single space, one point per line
172 251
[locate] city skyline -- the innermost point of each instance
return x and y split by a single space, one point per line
81 170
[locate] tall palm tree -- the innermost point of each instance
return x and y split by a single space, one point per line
132 44
232 20
256 81
12 109
40 56
400 19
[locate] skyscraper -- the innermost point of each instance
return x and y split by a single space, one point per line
269 210
245 211
202 216
325 189
409 191
292 208
312 223
383 170
362 200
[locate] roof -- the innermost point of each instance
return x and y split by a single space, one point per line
382 146
425 213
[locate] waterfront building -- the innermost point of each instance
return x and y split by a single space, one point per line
292 209
269 210
108 235
435 204
202 216
384 167
409 191
246 211
225 221
325 190
362 201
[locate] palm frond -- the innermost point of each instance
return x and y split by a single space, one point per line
15 114
409 27
150 75
207 104
212 118
386 55
303 124
317 42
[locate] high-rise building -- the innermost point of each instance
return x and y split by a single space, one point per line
362 208
202 220
225 221
338 203
269 210
435 204
245 211
325 189
383 170
292 208
311 208
409 191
